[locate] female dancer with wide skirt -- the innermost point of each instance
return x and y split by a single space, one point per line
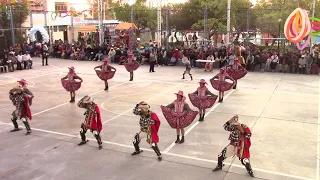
236 71
131 65
202 98
105 72
70 84
220 84
179 115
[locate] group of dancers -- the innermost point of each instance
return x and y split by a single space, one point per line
178 114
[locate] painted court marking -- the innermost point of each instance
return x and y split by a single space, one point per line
103 103
318 143
35 114
196 124
167 153
28 78
123 113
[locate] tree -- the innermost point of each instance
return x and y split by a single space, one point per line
191 15
268 15
144 17
20 13
106 10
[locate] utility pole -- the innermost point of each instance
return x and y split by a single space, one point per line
46 21
313 11
167 30
132 39
11 26
248 23
72 29
228 22
205 21
100 18
131 14
31 19
159 21
104 11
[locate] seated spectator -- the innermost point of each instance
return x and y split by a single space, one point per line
98 56
11 61
27 60
209 65
19 61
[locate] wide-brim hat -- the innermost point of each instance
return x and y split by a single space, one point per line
22 81
202 81
180 93
72 68
143 105
85 100
236 122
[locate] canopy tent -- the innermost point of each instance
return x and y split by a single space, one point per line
126 26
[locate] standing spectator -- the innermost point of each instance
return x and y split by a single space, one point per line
45 54
152 61
193 58
257 60
274 61
316 63
111 54
309 63
250 61
302 64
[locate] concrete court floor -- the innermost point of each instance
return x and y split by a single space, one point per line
281 110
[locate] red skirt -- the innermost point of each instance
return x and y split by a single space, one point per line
131 67
70 85
203 102
237 74
104 76
178 120
221 86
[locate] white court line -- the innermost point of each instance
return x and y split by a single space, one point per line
195 124
170 154
123 113
318 139
29 78
35 114
102 104
239 166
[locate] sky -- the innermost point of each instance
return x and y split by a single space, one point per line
254 2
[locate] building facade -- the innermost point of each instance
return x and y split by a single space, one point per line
56 17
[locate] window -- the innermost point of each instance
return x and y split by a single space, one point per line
61 6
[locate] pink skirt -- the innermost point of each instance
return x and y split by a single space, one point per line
178 120
104 76
131 67
202 102
237 74
70 85
221 86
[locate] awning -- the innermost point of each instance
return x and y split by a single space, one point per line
125 26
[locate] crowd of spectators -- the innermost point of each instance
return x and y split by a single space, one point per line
256 58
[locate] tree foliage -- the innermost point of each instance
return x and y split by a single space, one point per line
20 13
270 15
191 15
144 17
